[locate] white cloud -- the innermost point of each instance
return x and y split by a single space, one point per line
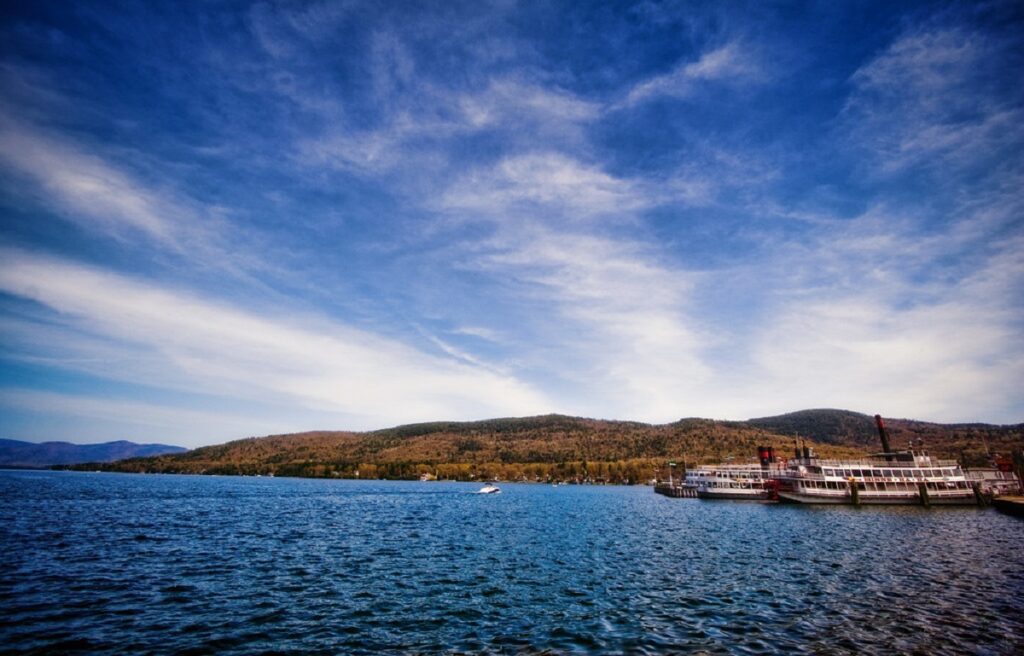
512 101
104 198
320 365
88 190
544 184
479 332
726 62
620 325
367 151
877 316
611 318
929 99
951 361
417 136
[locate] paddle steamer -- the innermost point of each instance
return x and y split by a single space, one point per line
904 477
755 481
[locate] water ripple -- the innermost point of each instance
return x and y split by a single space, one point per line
109 563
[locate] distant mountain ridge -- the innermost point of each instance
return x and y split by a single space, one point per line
843 427
826 425
15 453
559 446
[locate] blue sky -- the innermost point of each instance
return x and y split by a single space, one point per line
226 219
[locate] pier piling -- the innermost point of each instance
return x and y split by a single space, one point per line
979 496
675 491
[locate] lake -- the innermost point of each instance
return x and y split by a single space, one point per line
119 563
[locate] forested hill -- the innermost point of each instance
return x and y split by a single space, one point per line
842 427
558 447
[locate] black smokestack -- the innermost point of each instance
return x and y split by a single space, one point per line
764 454
882 433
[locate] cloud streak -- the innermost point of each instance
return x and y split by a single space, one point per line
729 62
88 190
234 352
933 98
550 184
624 333
368 215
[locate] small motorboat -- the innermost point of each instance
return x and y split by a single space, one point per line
490 488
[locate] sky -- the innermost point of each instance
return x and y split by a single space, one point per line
227 219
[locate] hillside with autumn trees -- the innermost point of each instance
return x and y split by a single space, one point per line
557 447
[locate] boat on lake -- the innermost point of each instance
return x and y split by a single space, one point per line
741 482
885 478
889 477
490 488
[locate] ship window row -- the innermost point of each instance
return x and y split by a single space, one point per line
746 485
842 485
891 473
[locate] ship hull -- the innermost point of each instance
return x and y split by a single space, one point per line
866 499
734 495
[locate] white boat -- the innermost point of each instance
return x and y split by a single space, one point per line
884 478
749 482
890 477
490 488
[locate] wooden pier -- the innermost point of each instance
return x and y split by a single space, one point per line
1010 505
675 491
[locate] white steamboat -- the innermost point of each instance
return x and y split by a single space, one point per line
742 482
906 477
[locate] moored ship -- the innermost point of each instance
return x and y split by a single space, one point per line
750 481
904 477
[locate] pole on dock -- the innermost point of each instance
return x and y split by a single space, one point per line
922 491
854 490
978 495
1018 467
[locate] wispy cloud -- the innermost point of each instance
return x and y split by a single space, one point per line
419 136
479 332
625 333
728 62
875 312
373 151
510 100
87 189
142 207
953 360
321 365
480 209
544 184
624 329
934 97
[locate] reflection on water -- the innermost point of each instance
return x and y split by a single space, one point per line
121 563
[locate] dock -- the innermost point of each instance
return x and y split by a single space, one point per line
675 491
1013 505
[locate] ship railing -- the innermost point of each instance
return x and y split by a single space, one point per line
732 467
814 476
887 464
898 493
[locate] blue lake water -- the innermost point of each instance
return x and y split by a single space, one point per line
114 563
